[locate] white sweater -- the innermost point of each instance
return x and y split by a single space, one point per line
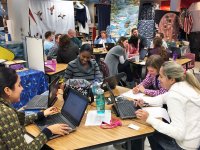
183 104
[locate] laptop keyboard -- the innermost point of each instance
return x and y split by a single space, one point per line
126 109
38 100
57 119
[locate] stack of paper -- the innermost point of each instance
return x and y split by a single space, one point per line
94 119
157 112
130 94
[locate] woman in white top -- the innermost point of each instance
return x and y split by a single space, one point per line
183 102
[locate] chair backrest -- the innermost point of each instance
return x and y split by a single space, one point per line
192 57
104 69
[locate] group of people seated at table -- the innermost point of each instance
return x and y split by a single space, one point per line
166 82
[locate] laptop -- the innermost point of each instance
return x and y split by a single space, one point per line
109 46
97 45
175 50
112 81
143 53
71 113
44 101
122 107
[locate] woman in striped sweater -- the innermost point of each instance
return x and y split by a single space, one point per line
83 67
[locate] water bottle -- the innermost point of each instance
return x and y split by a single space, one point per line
94 87
100 101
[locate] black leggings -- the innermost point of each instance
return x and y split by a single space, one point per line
159 141
125 67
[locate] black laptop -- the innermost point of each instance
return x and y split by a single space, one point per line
109 46
98 46
72 112
122 107
112 81
44 101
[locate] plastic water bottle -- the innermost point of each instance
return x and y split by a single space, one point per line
100 101
94 87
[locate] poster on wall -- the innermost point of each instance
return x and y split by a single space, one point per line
167 22
50 15
124 17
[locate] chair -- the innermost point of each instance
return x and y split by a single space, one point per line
104 69
192 57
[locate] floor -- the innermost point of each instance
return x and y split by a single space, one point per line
147 146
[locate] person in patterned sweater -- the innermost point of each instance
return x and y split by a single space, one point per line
12 122
151 85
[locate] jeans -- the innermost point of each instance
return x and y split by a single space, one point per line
159 141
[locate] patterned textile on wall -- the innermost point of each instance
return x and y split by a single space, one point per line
146 28
34 83
50 15
124 16
147 11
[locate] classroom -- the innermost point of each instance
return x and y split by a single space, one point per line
100 74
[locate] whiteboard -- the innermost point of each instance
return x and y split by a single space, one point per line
35 53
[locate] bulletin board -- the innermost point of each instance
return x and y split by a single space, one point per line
35 53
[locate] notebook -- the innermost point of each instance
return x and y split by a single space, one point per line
122 107
72 112
44 101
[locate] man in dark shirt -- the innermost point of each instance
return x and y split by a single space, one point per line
141 39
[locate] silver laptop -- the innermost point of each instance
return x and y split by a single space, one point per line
44 101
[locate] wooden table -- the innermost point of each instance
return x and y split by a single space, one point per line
59 68
86 137
184 61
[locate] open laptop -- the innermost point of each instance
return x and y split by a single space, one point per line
72 112
44 101
97 45
112 81
109 46
143 53
122 107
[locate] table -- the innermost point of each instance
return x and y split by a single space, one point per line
184 61
60 68
98 52
93 136
34 83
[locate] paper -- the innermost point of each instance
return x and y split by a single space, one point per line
132 126
142 63
93 119
157 112
130 94
28 138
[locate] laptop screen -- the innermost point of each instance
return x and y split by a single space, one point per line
74 106
53 88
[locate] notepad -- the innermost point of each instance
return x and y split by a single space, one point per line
130 94
93 119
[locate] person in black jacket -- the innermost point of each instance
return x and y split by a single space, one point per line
67 51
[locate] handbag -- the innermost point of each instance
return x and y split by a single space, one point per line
82 86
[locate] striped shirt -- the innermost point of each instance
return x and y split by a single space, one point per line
152 81
76 71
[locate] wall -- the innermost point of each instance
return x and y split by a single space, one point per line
18 13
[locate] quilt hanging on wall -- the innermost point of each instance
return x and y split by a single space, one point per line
124 16
50 15
167 22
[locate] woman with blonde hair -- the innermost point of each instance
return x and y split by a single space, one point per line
183 102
